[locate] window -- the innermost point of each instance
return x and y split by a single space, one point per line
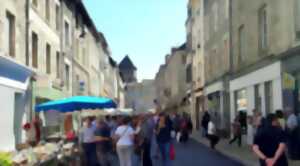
57 64
263 28
269 96
57 17
67 34
67 79
242 43
48 59
35 2
34 51
297 18
47 7
11 33
189 73
216 16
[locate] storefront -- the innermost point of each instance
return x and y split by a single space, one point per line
216 104
15 100
291 82
260 90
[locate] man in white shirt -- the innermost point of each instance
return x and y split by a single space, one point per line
292 121
88 143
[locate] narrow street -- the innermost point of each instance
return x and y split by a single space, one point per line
196 154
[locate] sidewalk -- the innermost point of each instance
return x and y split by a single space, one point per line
243 154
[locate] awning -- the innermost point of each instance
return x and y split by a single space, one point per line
49 93
77 103
13 74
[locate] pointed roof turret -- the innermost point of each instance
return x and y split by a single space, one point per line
126 63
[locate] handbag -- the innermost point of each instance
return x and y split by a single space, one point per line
172 152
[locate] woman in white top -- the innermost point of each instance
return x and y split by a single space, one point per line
212 134
125 136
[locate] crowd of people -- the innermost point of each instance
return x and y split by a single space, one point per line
272 136
135 140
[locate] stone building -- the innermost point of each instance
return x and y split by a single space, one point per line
50 49
140 96
162 92
216 46
265 56
172 83
194 27
15 86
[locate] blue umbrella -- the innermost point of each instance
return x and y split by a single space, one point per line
77 103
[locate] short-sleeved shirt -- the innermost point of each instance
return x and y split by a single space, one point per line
103 132
88 134
125 133
268 140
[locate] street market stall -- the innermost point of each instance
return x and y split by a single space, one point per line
61 148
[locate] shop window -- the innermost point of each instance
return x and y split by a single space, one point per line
11 33
48 59
241 100
269 96
34 51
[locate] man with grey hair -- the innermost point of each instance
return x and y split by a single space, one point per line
292 131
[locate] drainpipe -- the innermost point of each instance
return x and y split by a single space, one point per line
27 22
230 39
29 113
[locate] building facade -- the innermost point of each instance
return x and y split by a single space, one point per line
194 27
50 49
172 81
216 47
265 51
250 52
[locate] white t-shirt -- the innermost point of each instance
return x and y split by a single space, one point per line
211 128
87 134
125 133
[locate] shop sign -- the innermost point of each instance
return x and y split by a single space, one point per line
289 81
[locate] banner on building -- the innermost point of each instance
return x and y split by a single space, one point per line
288 82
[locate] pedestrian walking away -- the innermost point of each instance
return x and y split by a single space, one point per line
102 140
212 134
204 123
237 132
144 134
163 135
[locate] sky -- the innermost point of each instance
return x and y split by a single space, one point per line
144 29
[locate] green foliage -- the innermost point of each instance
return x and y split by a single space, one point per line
5 159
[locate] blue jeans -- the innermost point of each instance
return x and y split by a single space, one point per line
165 153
